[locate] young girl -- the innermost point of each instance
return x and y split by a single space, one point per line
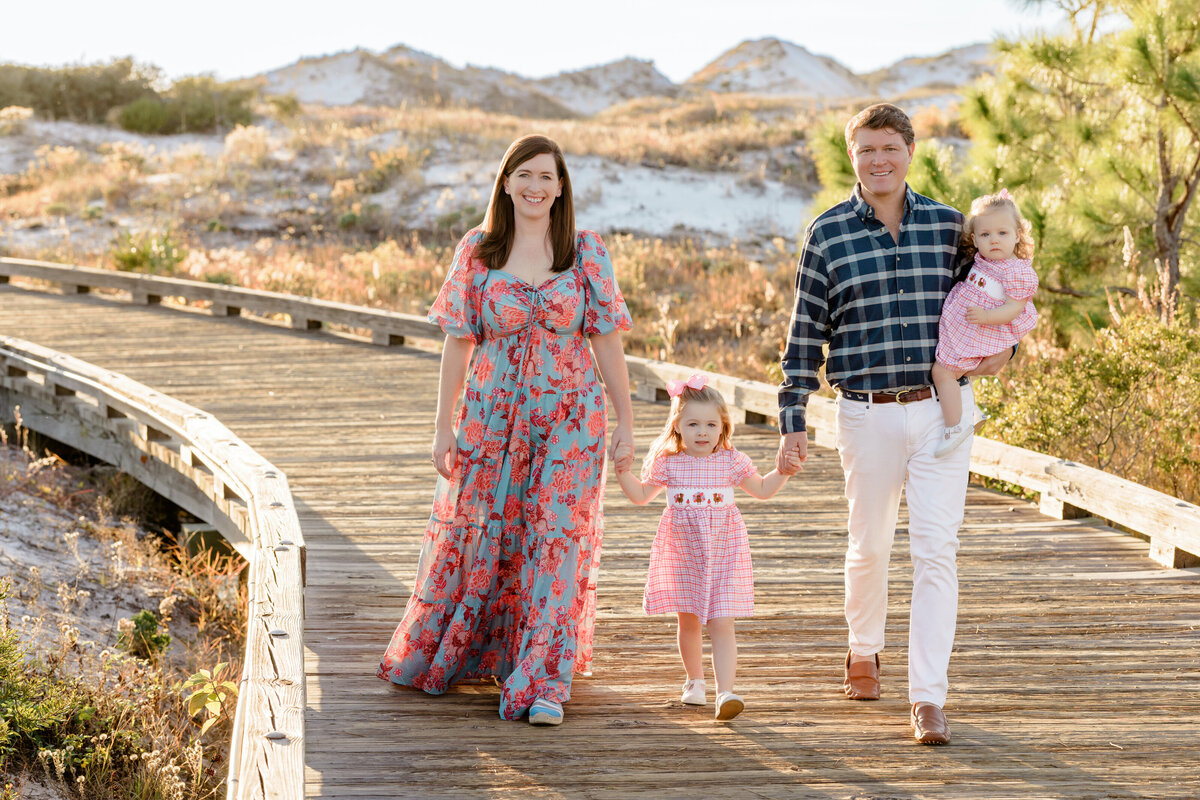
988 312
700 560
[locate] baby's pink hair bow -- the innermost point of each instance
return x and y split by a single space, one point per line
697 381
1003 194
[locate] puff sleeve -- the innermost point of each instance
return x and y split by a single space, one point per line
740 467
1019 280
656 473
605 310
457 306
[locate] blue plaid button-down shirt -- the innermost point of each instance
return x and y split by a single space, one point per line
875 302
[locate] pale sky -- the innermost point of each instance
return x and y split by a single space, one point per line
534 38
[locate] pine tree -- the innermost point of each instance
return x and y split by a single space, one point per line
1096 131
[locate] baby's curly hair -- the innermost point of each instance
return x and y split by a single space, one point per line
995 202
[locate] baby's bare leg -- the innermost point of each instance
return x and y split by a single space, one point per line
948 392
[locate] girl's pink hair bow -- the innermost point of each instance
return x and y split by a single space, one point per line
1003 194
697 382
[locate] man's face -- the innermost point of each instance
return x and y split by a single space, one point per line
880 158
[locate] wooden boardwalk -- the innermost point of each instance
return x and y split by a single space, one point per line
1076 672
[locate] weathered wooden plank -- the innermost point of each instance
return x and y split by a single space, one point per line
194 460
1064 625
305 313
1173 525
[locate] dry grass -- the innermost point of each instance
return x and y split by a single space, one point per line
97 721
63 180
707 133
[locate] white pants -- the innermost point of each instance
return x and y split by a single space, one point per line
883 446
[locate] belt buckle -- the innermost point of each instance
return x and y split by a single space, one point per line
899 395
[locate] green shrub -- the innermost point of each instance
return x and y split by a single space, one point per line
144 115
207 693
85 93
156 254
223 277
192 104
1127 405
398 162
144 639
203 104
285 106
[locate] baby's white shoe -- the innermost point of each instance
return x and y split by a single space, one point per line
952 438
729 705
694 692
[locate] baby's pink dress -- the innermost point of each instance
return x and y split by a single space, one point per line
961 344
700 559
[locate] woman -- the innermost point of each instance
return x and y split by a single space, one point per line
506 582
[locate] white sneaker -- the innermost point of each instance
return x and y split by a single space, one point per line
729 705
952 438
695 692
545 712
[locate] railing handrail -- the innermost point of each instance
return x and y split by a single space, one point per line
1067 489
225 481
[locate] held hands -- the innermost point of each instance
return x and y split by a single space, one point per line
793 452
622 437
623 459
445 452
792 464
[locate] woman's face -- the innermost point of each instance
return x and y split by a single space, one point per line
533 186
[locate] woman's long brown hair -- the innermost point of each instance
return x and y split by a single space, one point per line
499 224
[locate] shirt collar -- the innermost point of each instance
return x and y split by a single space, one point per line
863 209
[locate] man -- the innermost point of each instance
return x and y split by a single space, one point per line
873 274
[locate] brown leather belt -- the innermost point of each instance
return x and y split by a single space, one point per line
907 396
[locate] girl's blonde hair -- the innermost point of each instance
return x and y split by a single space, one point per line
669 442
996 202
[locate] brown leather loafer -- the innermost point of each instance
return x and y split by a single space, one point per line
862 679
929 724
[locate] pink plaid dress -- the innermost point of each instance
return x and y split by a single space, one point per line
961 344
700 559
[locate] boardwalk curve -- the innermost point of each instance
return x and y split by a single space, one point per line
1075 653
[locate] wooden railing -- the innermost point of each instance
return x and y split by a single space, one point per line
1067 490
192 459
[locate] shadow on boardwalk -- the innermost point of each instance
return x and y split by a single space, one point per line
1075 675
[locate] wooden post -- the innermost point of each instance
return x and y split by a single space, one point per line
385 339
1056 507
302 324
1170 556
645 391
144 298
223 310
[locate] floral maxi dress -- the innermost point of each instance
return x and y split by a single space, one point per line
506 582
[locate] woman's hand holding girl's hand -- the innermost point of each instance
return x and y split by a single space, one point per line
624 458
622 436
445 452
